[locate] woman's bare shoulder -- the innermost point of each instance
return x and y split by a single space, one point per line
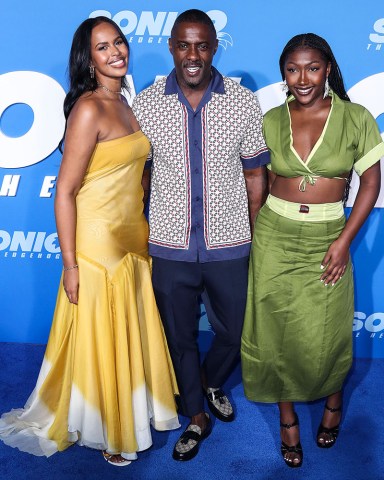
87 110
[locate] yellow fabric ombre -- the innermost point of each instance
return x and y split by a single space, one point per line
106 375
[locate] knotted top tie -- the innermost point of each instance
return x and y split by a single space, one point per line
311 179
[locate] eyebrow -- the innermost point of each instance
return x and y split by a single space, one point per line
192 43
106 43
310 63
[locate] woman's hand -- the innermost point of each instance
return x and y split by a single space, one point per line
335 262
71 284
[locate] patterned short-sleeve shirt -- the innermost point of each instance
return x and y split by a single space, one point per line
198 204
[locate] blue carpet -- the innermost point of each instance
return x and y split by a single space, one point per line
245 449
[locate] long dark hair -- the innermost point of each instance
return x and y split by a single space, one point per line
311 40
335 79
80 80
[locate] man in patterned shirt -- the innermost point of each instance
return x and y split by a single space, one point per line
208 181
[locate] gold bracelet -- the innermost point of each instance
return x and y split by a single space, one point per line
70 268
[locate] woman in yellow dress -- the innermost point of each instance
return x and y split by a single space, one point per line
106 374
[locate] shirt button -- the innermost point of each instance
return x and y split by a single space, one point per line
196 170
195 142
197 199
197 225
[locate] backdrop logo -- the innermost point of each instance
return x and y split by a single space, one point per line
29 244
377 38
45 96
155 27
372 325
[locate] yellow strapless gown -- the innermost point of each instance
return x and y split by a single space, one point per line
106 374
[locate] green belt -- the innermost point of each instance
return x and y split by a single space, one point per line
309 212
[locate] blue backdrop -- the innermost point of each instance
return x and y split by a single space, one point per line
36 37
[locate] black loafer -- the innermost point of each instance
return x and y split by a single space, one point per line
219 405
188 444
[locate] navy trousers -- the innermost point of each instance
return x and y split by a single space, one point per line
178 286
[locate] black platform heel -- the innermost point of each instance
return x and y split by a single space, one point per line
297 449
332 432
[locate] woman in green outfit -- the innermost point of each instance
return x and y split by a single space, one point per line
297 337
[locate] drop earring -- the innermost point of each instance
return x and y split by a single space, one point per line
284 86
92 72
326 88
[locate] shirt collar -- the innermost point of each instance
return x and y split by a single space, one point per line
216 85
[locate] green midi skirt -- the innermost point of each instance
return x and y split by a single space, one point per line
297 336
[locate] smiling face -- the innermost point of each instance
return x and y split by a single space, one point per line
305 71
109 53
193 46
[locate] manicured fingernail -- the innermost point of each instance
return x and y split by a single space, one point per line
321 280
322 267
332 285
325 284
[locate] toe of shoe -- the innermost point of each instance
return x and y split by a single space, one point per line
185 456
218 414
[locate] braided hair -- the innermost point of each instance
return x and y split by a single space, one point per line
335 79
311 40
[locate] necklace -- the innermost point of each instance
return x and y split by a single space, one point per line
106 88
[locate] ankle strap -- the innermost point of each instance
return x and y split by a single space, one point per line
333 410
290 425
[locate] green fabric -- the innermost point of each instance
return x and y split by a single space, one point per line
297 337
314 212
350 138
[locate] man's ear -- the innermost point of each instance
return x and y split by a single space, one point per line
216 46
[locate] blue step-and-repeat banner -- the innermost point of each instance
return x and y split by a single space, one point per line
35 38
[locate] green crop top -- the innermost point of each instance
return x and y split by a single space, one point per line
350 139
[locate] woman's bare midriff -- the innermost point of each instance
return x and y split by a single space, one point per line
325 190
